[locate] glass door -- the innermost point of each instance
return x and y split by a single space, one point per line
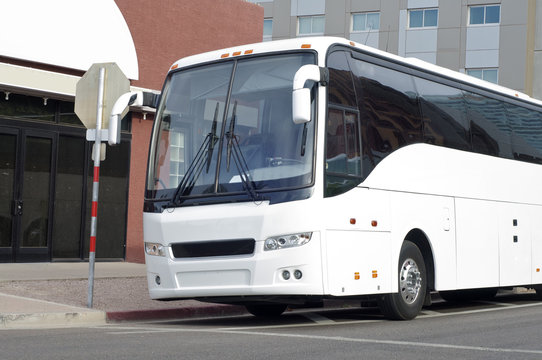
8 152
27 158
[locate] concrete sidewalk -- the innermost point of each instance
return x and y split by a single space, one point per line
56 294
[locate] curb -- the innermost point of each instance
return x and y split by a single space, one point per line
172 314
46 320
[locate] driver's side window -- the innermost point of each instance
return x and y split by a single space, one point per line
343 150
343 129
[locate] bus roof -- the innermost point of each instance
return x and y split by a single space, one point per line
322 43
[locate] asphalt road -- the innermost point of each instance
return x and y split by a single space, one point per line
510 327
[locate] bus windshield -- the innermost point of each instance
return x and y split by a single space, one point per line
226 128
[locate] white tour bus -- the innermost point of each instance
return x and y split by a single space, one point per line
295 171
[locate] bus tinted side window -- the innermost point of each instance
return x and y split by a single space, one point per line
389 110
490 130
343 137
444 115
526 133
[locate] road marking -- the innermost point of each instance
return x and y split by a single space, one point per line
429 312
467 312
424 315
494 303
390 342
319 319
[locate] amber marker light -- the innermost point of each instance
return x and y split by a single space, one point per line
237 53
352 43
375 274
174 66
538 270
356 276
224 55
374 223
352 221
247 52
306 46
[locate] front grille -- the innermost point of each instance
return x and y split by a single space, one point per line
213 248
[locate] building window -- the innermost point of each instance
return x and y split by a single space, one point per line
365 21
487 74
422 18
267 29
310 25
177 164
487 14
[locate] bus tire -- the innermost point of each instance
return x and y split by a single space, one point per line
412 278
538 289
266 310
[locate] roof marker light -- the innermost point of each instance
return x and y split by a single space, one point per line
237 53
352 43
224 55
174 66
247 52
306 46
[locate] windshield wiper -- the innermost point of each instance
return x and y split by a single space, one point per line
304 139
238 158
203 155
214 139
231 135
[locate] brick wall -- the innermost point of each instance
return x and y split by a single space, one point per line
163 32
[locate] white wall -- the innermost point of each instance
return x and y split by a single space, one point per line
482 46
308 7
67 33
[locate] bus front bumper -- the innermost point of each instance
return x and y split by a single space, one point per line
276 273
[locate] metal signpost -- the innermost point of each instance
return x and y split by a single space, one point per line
95 95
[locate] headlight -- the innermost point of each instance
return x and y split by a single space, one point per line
287 241
155 249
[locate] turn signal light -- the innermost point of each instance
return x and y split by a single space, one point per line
375 274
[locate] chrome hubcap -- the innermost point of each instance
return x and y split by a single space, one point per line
410 281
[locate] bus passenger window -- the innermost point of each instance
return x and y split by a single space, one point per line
444 115
490 130
390 114
526 133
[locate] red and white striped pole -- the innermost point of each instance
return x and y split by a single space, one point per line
95 186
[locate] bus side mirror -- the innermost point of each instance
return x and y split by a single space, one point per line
135 98
301 96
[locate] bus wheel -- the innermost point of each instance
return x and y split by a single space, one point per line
407 303
538 289
266 310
